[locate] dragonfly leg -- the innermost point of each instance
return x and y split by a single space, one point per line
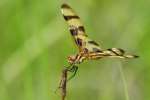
74 70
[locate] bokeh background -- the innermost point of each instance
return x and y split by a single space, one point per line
35 42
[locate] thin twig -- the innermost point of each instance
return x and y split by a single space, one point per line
63 83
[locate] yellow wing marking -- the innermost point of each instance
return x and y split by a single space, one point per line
77 30
70 16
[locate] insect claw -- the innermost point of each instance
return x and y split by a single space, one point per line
74 70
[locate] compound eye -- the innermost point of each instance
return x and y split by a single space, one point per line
71 59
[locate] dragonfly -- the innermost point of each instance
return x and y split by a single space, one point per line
88 49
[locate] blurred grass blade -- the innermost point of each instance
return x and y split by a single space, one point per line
31 48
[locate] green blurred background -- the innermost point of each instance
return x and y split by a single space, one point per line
35 42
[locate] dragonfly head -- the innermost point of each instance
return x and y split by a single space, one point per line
71 59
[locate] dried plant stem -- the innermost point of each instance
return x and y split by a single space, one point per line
63 83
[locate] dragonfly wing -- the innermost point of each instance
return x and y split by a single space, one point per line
77 30
75 25
92 46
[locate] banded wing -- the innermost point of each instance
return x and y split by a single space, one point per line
117 52
84 43
77 30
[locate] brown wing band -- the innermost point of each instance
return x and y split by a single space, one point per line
65 6
69 17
